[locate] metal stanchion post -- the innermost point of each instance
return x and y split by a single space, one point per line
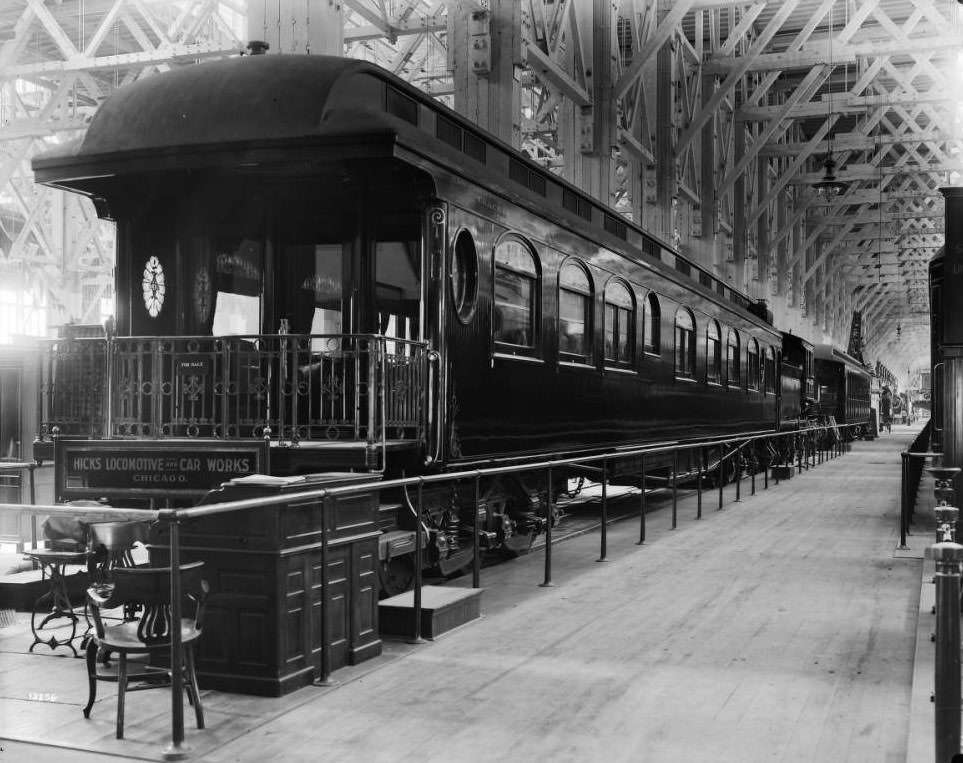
176 750
605 512
642 506
722 472
675 490
765 470
547 582
476 541
737 460
903 499
419 553
701 457
947 673
752 467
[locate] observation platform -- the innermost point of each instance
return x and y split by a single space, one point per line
786 626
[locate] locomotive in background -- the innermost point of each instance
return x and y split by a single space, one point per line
320 261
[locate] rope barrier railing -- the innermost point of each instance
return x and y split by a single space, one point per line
802 443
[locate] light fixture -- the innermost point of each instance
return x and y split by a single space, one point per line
829 187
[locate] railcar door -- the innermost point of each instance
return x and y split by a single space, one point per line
388 298
399 317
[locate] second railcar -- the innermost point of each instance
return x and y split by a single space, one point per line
843 385
797 383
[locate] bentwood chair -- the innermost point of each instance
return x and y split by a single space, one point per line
148 636
111 545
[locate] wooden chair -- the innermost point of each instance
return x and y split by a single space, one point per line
111 545
149 634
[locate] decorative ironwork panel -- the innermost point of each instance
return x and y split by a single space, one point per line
73 391
293 386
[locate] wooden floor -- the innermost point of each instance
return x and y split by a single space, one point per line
782 628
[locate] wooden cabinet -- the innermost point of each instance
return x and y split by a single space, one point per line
262 627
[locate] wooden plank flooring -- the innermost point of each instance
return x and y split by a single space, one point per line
782 628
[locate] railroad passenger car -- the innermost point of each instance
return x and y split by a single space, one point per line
316 255
797 384
843 385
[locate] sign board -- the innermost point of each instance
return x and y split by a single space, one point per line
176 469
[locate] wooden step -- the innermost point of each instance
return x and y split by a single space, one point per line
442 608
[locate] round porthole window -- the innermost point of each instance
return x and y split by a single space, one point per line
464 276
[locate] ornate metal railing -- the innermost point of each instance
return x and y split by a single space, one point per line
292 387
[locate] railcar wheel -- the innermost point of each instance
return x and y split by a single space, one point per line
518 544
397 575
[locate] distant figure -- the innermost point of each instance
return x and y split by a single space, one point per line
886 410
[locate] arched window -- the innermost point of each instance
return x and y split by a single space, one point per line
574 313
733 371
752 364
685 350
516 296
769 371
653 323
713 353
619 323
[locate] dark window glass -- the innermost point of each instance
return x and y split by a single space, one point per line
619 324
770 370
713 353
516 279
684 344
653 320
752 365
575 313
733 370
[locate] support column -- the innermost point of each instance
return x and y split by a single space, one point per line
666 191
740 238
710 201
485 51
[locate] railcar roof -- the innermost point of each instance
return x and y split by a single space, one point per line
213 103
192 116
831 352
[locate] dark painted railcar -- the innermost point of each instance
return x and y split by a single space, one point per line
313 253
796 380
843 388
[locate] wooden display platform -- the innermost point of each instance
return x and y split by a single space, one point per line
441 610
